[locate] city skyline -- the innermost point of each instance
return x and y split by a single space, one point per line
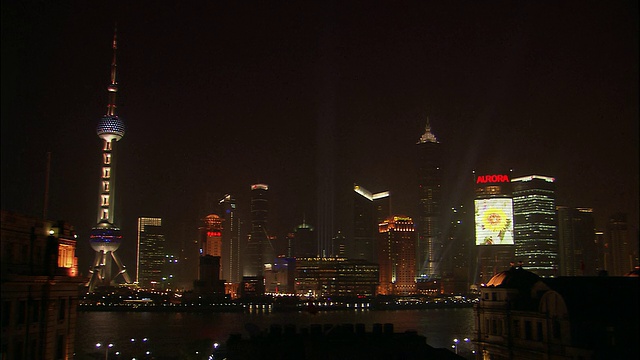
224 96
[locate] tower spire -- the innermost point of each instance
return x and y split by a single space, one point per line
113 86
428 136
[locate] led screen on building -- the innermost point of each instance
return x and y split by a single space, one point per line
494 221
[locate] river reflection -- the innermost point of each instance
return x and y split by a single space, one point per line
181 334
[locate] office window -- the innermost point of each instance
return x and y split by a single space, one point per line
528 330
22 312
62 309
6 313
35 311
539 331
556 329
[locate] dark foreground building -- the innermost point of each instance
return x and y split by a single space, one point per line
40 286
328 342
523 316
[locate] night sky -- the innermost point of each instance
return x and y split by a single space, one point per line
217 97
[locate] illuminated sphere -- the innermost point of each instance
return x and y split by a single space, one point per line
110 128
105 237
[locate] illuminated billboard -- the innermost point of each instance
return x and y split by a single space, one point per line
494 221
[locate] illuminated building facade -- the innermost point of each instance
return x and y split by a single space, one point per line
621 252
279 277
259 249
494 224
211 236
39 288
430 245
151 258
323 277
577 245
535 224
231 270
106 236
397 256
369 210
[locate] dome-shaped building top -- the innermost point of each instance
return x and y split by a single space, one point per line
515 278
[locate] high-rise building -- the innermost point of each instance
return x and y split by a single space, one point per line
456 264
106 236
279 277
620 250
231 270
430 245
397 256
259 250
577 246
369 210
304 242
151 258
535 224
493 218
211 236
339 245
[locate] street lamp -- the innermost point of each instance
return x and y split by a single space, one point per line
456 341
106 349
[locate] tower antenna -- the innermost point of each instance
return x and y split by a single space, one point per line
113 86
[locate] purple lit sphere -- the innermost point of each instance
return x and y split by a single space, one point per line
110 128
105 237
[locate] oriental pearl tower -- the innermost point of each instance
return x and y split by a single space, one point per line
106 236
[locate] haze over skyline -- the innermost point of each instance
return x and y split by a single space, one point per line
216 97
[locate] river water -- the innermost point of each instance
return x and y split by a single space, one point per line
181 335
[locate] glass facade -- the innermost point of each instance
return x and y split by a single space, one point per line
535 224
151 258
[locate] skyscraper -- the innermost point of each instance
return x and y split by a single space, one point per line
151 257
535 224
105 237
369 210
493 218
211 236
397 256
577 252
456 276
430 246
259 249
231 270
621 251
304 242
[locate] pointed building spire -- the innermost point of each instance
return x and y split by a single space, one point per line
113 86
428 136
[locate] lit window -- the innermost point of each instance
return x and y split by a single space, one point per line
106 172
105 200
107 158
105 186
